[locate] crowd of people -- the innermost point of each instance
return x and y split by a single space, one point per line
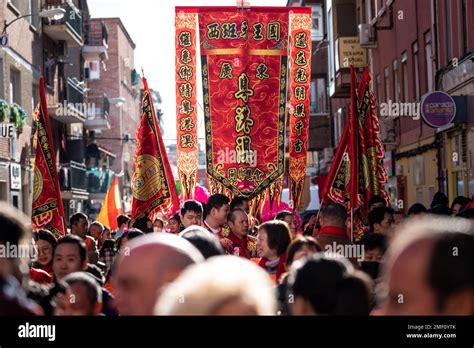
215 258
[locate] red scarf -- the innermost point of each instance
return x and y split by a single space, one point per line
281 267
334 231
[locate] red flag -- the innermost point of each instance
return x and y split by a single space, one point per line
47 204
112 206
153 186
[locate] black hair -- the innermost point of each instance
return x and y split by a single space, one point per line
232 214
449 271
377 215
238 201
45 235
416 209
76 218
175 217
13 224
191 205
377 199
208 244
95 272
466 213
142 225
461 200
373 241
335 212
278 235
75 240
133 233
122 219
108 244
439 199
281 215
216 201
297 244
330 286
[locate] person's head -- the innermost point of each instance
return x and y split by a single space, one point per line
106 234
430 268
158 225
301 247
398 217
239 202
122 222
417 209
173 224
375 246
439 200
328 285
15 231
238 222
79 224
467 214
128 236
222 285
289 218
95 230
191 213
45 242
376 201
144 224
273 239
149 263
83 296
333 214
206 242
458 204
381 220
217 208
69 256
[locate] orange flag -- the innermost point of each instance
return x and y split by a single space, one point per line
112 206
47 204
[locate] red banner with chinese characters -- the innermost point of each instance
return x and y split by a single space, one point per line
152 184
244 56
186 105
47 207
300 78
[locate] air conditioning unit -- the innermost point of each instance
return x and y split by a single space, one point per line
367 36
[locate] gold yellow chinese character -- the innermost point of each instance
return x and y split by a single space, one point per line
300 58
186 107
242 119
185 72
185 90
186 124
300 75
244 91
229 31
299 111
300 40
257 31
184 39
273 31
213 31
244 28
262 72
187 140
298 127
300 92
298 145
185 56
226 71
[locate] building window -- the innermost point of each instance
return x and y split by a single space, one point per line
416 71
462 15
396 86
449 31
15 87
318 104
429 62
404 76
387 84
377 88
34 10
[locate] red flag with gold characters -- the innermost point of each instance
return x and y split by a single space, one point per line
112 206
47 207
152 184
186 101
300 78
357 171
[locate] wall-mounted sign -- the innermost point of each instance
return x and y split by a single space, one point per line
7 130
317 33
438 109
350 53
15 176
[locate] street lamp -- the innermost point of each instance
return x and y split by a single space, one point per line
53 13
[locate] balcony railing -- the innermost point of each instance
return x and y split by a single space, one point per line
73 177
74 91
72 21
98 35
99 180
98 108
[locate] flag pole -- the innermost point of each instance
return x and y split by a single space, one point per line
352 225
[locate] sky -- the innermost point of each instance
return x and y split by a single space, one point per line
150 24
